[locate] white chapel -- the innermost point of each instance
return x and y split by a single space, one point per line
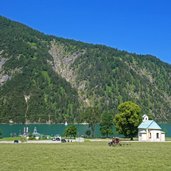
150 131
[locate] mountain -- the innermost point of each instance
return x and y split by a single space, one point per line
45 79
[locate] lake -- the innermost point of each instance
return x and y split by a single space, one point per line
53 129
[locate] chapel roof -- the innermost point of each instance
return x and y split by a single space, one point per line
149 124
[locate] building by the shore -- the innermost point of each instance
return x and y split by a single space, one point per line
150 131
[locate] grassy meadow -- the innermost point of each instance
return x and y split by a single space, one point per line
85 156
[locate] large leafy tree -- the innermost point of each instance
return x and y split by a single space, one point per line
128 119
106 124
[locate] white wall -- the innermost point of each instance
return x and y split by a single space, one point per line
142 137
161 136
151 135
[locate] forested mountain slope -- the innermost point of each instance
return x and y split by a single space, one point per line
48 79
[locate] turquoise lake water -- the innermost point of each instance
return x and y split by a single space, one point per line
53 129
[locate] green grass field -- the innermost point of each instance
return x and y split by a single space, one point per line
85 156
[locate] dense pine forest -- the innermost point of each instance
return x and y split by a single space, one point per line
46 79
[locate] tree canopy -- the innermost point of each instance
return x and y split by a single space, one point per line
128 119
71 131
91 116
106 124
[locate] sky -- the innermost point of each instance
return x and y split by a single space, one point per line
138 26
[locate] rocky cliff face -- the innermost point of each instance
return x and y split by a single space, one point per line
3 77
63 64
63 60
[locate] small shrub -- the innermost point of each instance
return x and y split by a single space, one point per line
23 139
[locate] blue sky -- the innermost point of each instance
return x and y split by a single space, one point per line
140 26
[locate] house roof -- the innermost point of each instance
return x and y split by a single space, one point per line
149 124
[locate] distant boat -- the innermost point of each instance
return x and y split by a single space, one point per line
66 123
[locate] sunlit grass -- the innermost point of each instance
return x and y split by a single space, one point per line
85 156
